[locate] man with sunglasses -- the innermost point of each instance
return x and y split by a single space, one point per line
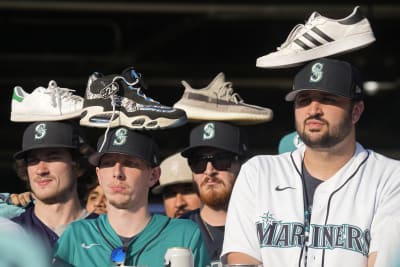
215 155
330 202
127 166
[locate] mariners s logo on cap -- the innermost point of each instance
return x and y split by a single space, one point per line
40 131
316 72
120 137
208 131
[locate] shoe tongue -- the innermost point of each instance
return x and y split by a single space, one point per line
313 16
218 80
131 75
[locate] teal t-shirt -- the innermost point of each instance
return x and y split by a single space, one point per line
82 244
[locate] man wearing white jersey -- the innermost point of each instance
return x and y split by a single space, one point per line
328 203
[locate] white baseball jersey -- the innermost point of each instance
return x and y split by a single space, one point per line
349 215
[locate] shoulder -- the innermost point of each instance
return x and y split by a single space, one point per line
82 225
9 226
270 160
175 223
22 218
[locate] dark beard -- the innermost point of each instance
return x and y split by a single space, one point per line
333 137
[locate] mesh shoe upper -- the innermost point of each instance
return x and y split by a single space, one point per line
218 101
118 99
320 37
45 104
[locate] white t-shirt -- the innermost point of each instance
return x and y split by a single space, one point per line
349 216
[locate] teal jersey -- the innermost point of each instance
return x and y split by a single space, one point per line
88 243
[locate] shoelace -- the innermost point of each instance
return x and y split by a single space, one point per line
226 92
296 29
60 94
110 91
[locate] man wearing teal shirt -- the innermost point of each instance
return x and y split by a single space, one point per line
127 166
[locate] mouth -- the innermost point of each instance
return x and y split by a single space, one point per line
43 182
179 213
312 124
117 188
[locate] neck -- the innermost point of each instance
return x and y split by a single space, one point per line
213 217
324 163
128 223
58 214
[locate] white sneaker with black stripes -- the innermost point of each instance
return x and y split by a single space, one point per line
320 37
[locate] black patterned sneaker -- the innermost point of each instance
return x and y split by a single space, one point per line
117 100
218 102
320 37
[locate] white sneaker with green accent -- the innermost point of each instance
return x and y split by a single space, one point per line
45 104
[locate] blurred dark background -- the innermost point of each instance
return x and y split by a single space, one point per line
170 41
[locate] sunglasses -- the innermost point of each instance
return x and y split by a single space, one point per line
221 162
118 256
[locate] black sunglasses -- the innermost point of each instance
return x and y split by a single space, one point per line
118 256
221 162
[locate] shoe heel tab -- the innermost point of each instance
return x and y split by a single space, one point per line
186 84
354 17
18 93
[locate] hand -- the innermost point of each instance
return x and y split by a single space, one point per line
22 199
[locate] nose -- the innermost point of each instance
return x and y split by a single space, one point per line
117 171
209 168
180 201
42 168
314 108
100 202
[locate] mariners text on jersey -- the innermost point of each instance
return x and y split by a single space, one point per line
291 234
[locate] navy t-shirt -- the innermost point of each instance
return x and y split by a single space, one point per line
33 224
213 236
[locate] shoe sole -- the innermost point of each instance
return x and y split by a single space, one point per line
338 47
20 117
141 122
195 114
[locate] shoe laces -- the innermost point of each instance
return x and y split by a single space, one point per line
115 101
60 95
226 92
297 29
112 88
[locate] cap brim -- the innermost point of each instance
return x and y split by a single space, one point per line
159 188
292 95
94 159
21 154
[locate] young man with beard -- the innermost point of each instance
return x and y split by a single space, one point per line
127 166
51 161
328 203
215 155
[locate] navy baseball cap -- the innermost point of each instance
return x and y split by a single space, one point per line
122 140
219 135
328 75
49 134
